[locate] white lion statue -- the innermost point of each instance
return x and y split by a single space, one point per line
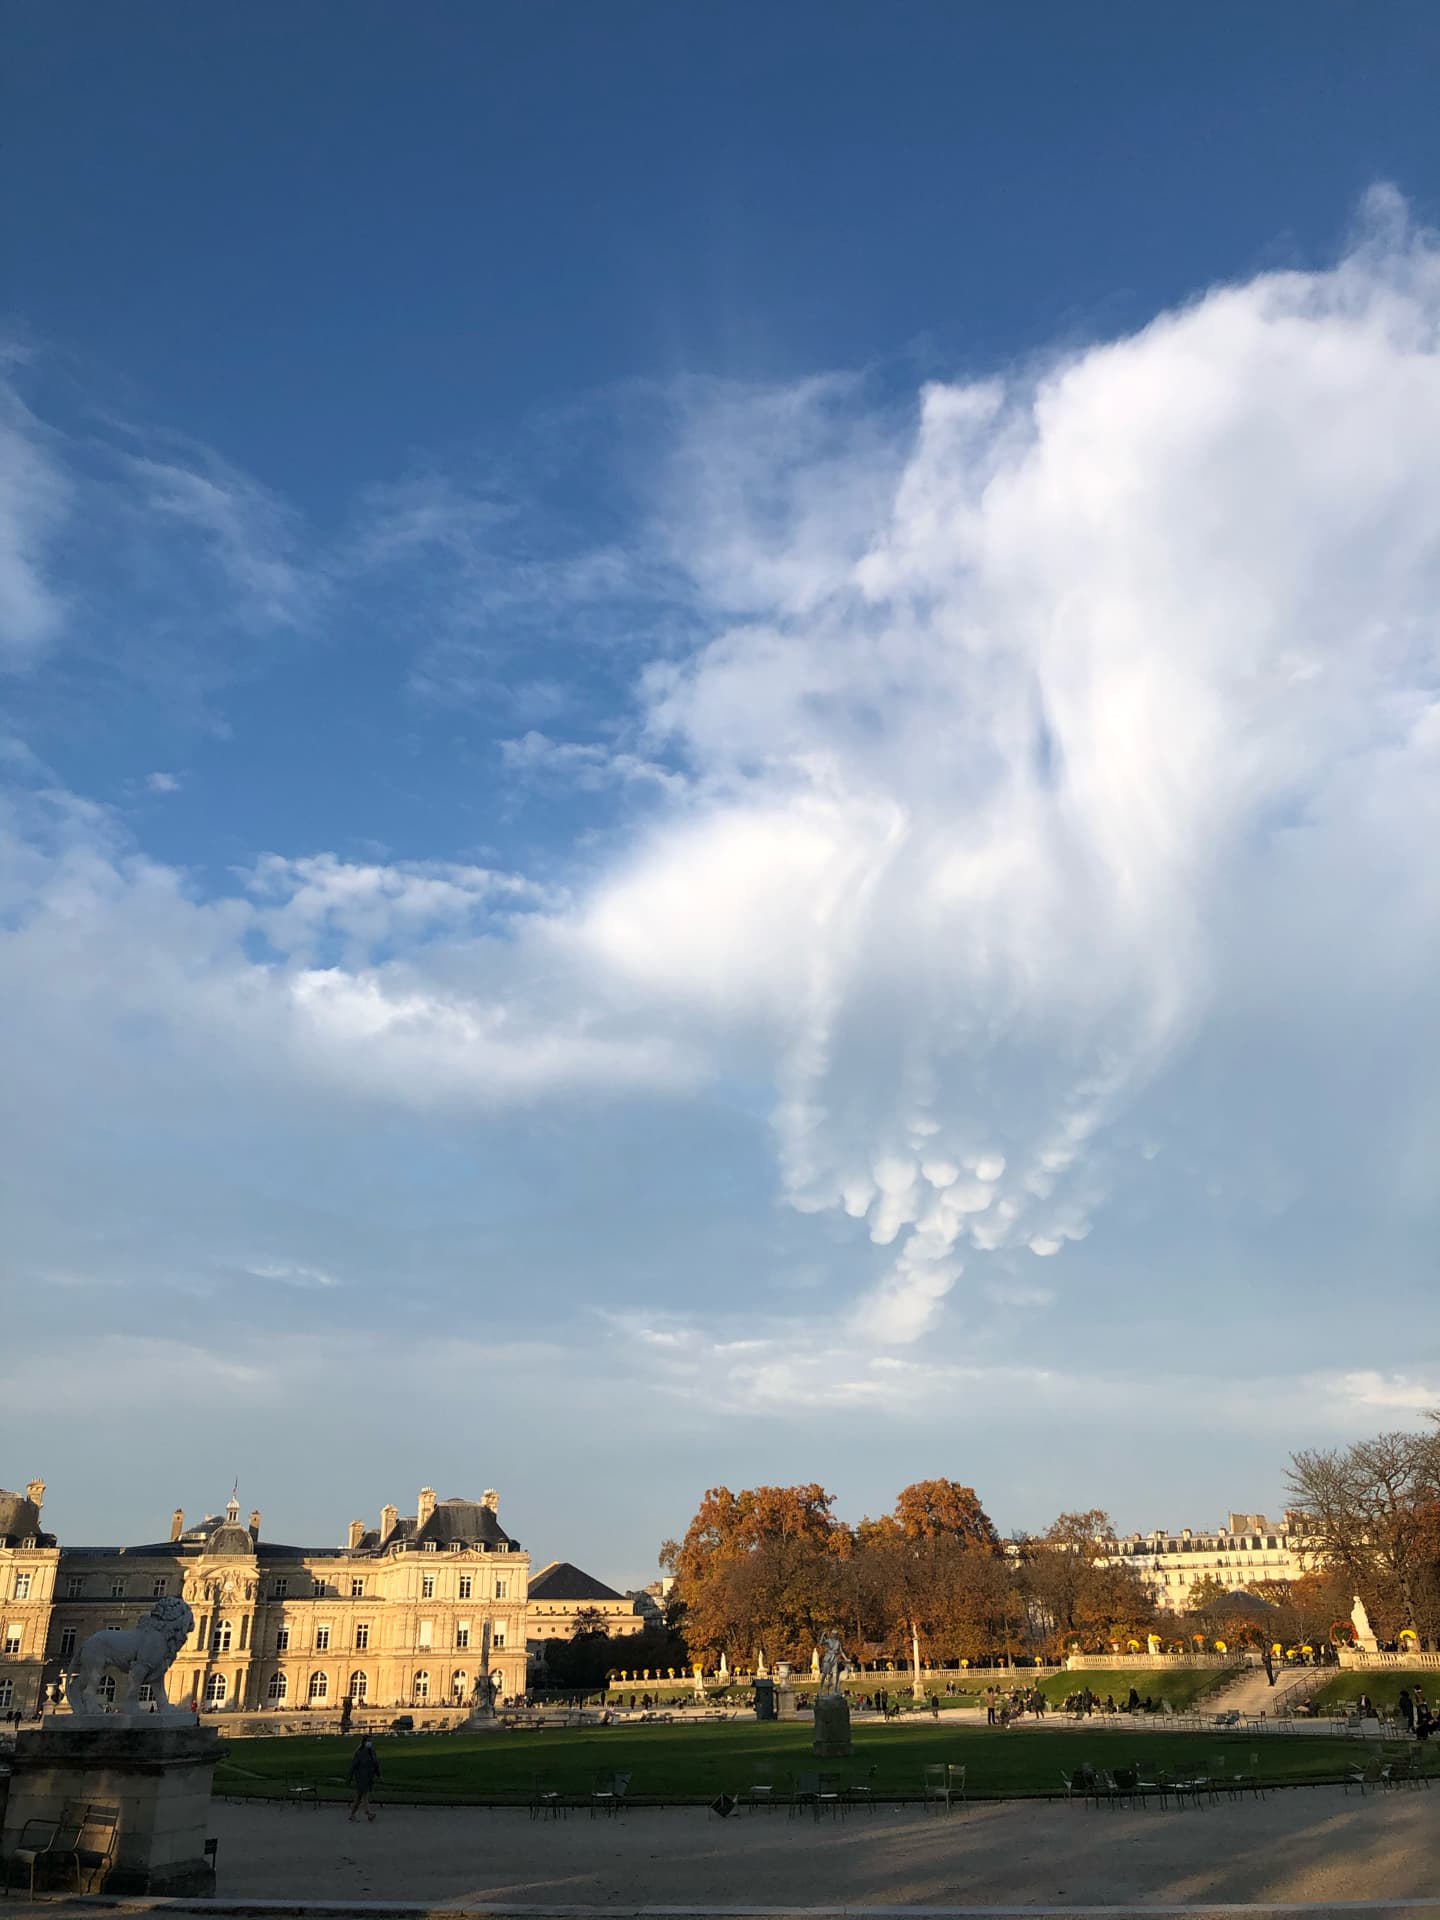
144 1654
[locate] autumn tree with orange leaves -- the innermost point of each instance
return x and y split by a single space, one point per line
758 1572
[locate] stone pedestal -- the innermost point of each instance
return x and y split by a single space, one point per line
156 1775
786 1707
832 1727
482 1719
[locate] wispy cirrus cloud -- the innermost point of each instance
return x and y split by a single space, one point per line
34 502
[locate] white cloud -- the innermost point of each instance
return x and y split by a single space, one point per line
249 536
1045 747
163 782
483 1017
34 500
585 765
1092 655
291 1273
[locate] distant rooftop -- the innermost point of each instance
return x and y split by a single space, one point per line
563 1582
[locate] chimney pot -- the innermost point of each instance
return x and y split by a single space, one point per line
177 1523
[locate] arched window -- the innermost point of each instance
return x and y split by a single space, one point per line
458 1684
359 1686
220 1639
422 1685
278 1688
319 1686
216 1689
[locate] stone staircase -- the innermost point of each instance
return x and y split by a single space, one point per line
1251 1692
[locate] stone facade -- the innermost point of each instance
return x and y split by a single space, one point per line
1247 1551
407 1614
29 1563
561 1594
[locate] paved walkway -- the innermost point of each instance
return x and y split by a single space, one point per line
1308 1845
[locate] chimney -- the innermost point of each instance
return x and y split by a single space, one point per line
491 1499
35 1493
425 1508
255 1523
356 1534
177 1523
389 1519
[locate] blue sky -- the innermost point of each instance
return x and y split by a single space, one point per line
719 751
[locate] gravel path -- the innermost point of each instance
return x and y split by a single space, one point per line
1317 1845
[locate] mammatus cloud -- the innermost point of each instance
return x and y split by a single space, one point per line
1035 730
993 758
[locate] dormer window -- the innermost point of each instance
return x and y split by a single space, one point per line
432 1546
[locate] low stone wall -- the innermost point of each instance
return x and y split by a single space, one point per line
1359 1657
1156 1662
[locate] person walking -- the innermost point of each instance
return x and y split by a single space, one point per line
364 1772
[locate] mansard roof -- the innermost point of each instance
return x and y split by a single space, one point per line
455 1522
20 1520
563 1581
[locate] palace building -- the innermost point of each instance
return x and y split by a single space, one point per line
412 1613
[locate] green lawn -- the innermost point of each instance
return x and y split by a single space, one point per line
679 1764
1181 1686
1383 1686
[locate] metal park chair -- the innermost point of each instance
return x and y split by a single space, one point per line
762 1789
41 1841
860 1789
943 1785
607 1794
94 1850
804 1790
546 1802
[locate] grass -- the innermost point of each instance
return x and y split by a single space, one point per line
1383 1685
1181 1686
685 1764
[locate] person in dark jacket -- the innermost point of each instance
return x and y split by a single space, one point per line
364 1772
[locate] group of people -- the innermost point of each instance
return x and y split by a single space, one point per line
1415 1711
1005 1706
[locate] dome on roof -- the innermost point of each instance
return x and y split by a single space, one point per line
231 1538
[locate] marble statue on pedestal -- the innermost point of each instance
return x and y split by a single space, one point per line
144 1654
832 1660
1364 1632
832 1710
